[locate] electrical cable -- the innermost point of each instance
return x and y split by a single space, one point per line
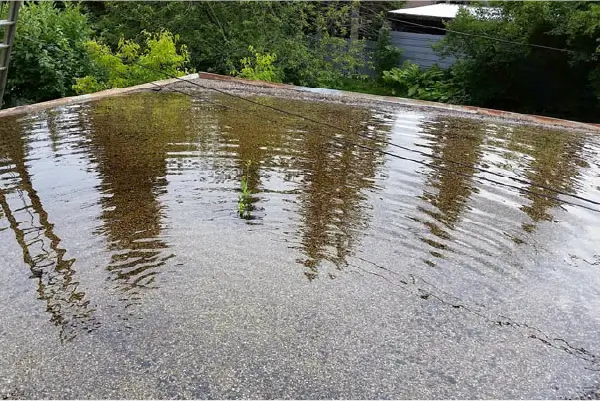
485 36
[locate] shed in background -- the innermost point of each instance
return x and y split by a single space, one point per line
416 29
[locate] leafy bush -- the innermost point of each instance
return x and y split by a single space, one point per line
432 84
370 85
260 67
132 65
308 37
49 52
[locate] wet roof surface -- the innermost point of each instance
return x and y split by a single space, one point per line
128 272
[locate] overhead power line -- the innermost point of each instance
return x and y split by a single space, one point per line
485 36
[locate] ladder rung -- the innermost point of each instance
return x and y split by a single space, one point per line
2 68
4 46
5 22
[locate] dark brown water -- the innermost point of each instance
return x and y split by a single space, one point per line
120 239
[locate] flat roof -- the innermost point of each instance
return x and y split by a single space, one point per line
225 82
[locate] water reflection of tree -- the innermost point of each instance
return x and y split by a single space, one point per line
128 141
333 201
65 301
554 162
454 141
253 141
332 177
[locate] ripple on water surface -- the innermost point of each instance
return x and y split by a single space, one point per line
121 214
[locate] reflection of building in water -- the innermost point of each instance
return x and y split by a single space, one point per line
455 154
47 260
333 201
554 160
128 141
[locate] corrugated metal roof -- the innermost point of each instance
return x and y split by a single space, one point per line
444 11
418 3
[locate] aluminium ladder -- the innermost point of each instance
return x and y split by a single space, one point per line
9 25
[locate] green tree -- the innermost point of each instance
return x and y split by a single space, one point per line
527 78
132 64
260 66
49 53
579 25
309 38
373 15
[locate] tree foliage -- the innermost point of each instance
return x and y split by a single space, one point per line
433 84
526 78
260 67
49 52
312 43
133 64
310 39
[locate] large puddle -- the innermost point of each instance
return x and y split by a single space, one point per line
441 257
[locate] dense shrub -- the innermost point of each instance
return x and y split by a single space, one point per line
433 84
260 67
133 64
310 39
49 53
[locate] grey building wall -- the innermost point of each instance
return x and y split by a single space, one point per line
417 48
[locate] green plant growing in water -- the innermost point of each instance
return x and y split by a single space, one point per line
244 200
